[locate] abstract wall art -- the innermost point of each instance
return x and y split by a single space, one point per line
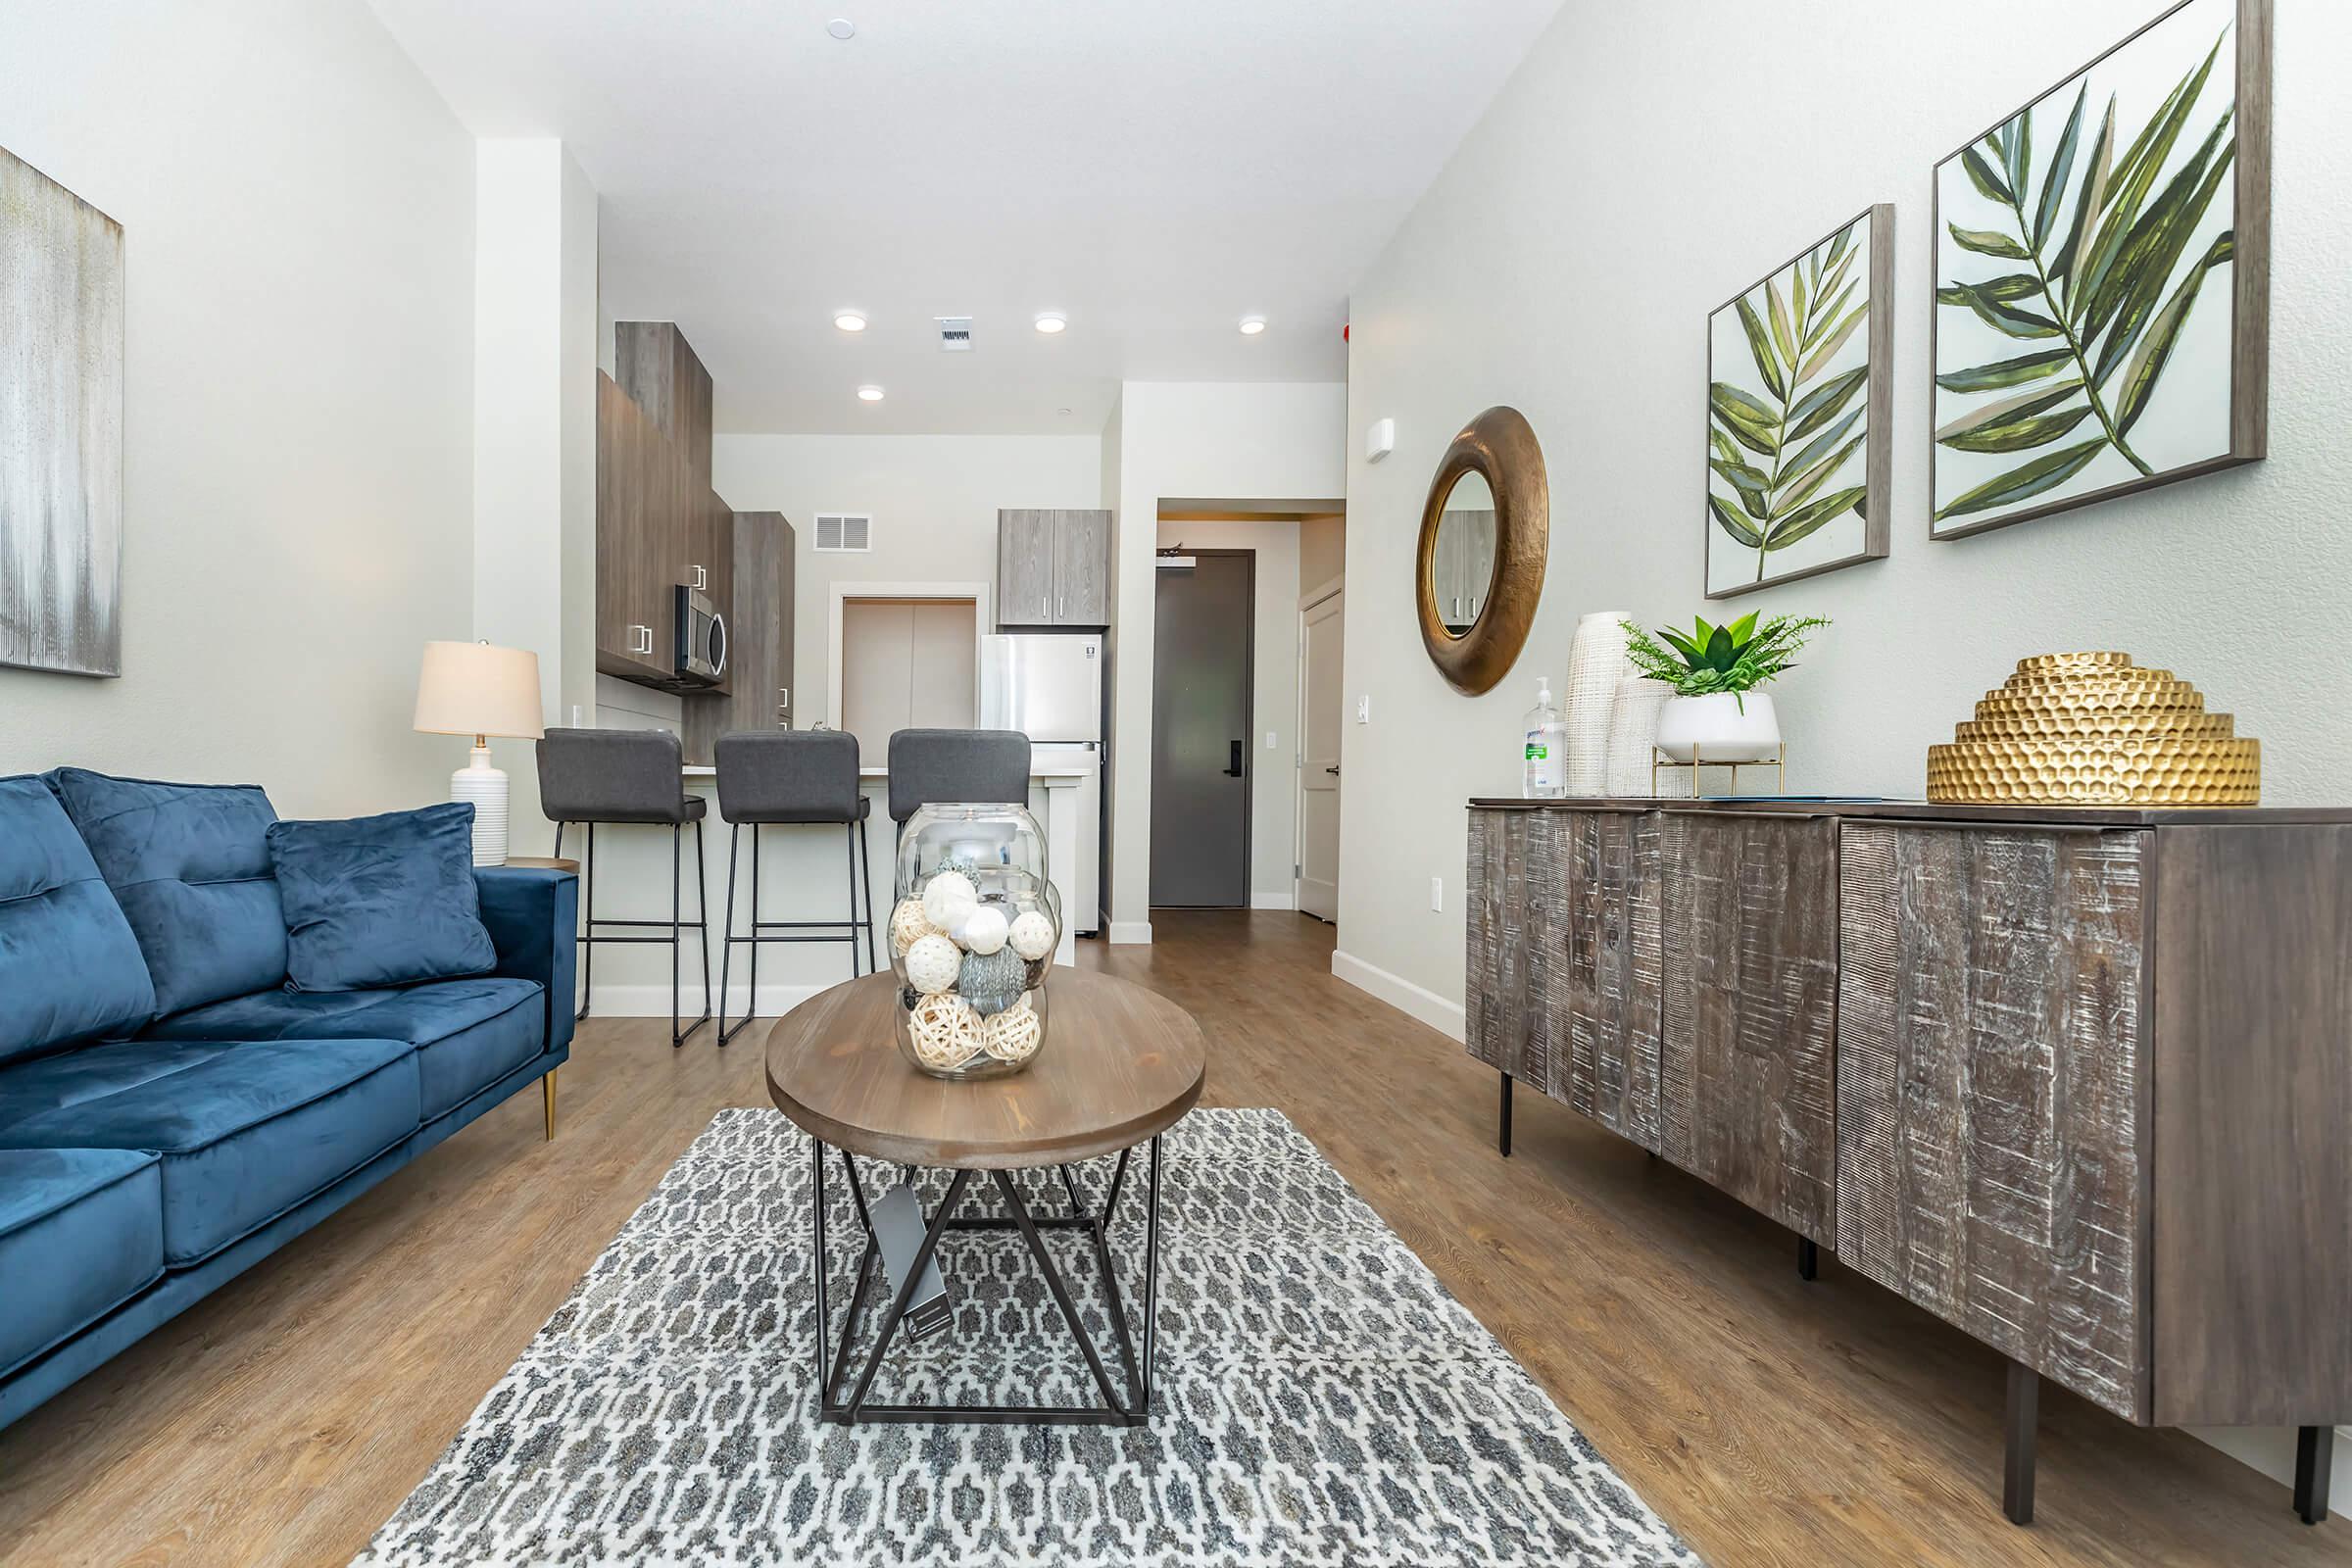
61 427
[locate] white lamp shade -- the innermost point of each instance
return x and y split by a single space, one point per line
476 689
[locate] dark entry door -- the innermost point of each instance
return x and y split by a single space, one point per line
1200 674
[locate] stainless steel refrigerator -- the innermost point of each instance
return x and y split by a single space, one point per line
1048 686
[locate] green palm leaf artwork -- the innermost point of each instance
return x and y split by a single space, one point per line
2084 250
1794 479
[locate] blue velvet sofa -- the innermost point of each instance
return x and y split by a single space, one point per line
170 1112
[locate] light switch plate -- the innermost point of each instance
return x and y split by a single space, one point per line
1437 895
1363 709
1271 741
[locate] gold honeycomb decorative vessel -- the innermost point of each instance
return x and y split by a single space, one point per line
2095 729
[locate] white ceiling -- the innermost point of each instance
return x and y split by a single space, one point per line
1155 168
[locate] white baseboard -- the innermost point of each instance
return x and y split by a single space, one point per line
2271 1452
1273 901
653 1002
1129 933
1447 1018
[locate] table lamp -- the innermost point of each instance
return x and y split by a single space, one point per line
478 690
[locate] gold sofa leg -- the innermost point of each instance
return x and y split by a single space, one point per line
547 1086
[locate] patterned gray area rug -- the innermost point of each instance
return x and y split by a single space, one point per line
1320 1400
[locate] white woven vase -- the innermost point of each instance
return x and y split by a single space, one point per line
1633 733
1596 663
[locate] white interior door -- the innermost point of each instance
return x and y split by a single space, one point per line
1319 704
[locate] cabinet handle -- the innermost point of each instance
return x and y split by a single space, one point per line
701 578
641 639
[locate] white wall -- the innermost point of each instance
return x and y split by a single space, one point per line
1322 551
297 205
1272 441
1273 694
534 434
934 500
1613 204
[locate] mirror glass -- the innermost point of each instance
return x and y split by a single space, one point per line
1462 568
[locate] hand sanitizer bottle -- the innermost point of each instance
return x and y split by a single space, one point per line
1543 768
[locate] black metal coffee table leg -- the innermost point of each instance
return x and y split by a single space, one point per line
1135 1410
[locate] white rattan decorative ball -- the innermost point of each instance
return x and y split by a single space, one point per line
948 900
932 964
908 924
984 930
1032 935
1013 1034
947 1033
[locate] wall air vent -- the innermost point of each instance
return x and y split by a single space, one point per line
954 334
838 531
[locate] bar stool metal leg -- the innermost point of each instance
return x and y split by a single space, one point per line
751 1004
726 944
865 855
851 844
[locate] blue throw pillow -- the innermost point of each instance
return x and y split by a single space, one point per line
380 901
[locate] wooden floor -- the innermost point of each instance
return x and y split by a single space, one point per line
1768 1420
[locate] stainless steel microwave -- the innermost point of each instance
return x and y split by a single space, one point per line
702 639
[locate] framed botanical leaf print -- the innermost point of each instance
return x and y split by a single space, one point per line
2102 277
1800 387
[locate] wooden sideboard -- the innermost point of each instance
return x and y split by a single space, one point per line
2076 1081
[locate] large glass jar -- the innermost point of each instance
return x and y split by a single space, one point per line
972 934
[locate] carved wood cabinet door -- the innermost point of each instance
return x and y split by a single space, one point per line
1513 892
1748 1082
1992 1089
1605 994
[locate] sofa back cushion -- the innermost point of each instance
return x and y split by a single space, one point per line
70 967
381 901
190 866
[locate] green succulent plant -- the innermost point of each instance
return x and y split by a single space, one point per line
1736 657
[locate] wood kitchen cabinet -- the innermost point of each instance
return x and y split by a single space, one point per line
639 481
760 660
659 372
1052 567
657 527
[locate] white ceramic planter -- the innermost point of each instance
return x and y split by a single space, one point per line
1718 729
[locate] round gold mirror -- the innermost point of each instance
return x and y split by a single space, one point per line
1485 534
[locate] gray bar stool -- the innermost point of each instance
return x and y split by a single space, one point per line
931 765
781 777
598 776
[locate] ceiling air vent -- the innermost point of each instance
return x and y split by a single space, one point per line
954 334
838 532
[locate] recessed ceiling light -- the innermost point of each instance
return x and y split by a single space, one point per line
869 394
849 321
1050 321
841 27
1251 325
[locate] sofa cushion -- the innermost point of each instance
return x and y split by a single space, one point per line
247 1129
191 869
380 901
469 1033
81 1232
69 967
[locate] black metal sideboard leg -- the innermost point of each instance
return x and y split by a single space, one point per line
1502 1133
1808 1258
2017 1467
2315 1457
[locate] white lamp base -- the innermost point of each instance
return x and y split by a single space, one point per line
486 787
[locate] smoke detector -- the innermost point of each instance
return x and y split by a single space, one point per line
954 334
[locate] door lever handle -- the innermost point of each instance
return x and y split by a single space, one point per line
1333 771
1233 768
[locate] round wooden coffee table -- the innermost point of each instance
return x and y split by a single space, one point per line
1120 1066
